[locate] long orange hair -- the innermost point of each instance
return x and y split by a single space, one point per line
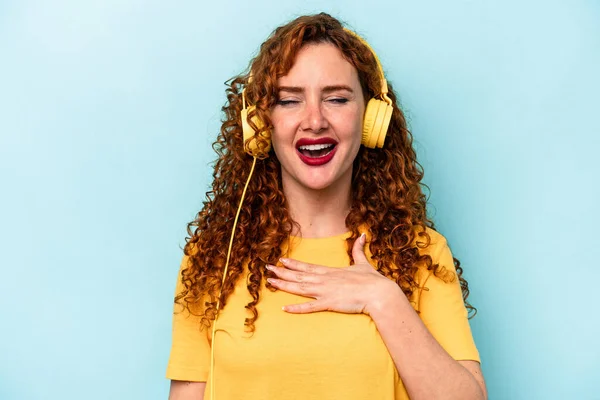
387 194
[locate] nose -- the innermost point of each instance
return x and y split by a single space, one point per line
314 120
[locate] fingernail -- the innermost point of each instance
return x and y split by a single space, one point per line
363 238
284 261
269 267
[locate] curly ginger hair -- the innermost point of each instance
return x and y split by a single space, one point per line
387 194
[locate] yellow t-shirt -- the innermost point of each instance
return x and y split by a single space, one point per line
324 355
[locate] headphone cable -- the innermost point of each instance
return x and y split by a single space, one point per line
212 343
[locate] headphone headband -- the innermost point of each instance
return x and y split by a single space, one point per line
384 87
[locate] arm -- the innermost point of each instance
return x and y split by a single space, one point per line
425 347
189 359
182 390
426 369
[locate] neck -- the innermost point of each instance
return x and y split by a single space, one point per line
320 213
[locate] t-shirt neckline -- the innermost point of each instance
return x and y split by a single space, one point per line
344 235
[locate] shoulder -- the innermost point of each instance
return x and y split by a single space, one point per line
430 241
435 245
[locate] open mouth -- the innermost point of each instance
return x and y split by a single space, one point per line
316 150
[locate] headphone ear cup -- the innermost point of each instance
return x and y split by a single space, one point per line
250 142
369 122
375 123
382 123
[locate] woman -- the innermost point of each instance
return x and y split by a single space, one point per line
336 285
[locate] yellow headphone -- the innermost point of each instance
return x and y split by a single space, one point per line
375 124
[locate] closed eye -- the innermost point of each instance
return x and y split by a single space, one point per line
286 102
339 100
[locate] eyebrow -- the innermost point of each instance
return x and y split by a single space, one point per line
326 89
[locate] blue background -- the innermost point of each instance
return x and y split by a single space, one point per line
107 112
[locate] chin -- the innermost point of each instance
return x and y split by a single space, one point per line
316 183
317 187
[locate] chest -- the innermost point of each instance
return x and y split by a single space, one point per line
316 343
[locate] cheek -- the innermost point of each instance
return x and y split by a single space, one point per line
282 136
349 123
279 130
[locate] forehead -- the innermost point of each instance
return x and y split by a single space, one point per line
320 64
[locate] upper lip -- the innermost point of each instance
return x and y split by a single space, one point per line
322 140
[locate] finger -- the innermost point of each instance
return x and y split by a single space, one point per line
302 266
293 276
358 252
305 308
305 289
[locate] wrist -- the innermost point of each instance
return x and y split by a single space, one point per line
388 296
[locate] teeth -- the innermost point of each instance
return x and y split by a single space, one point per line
315 146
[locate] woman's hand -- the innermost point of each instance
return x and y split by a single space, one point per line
358 288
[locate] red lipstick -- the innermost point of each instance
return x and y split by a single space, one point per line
318 160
